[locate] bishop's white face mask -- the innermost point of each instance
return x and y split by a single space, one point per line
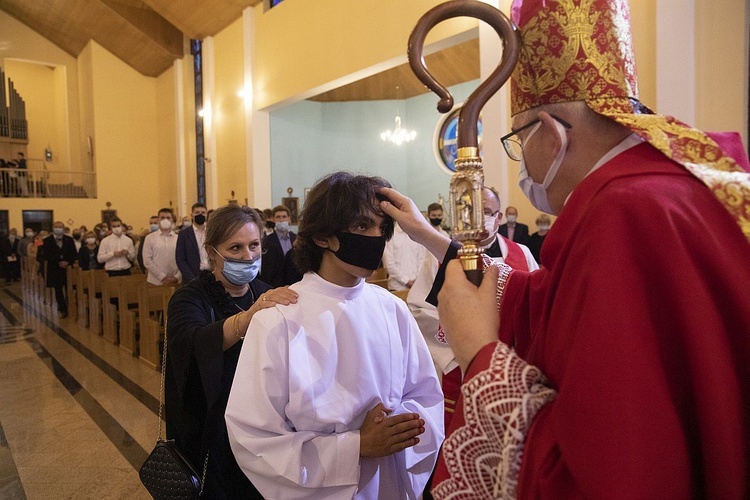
535 192
489 223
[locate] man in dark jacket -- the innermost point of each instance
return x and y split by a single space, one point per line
514 231
9 254
58 252
275 247
190 254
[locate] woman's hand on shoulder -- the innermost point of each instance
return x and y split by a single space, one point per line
277 296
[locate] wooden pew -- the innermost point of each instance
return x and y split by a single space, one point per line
110 313
128 312
82 287
72 277
379 277
152 312
95 279
401 294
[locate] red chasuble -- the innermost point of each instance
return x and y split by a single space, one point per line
640 319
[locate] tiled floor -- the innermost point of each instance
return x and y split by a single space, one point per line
78 416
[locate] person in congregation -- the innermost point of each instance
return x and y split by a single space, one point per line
9 253
275 247
435 215
208 317
402 259
57 252
153 226
28 239
339 398
159 252
116 251
543 223
501 250
622 361
190 254
87 255
269 224
514 230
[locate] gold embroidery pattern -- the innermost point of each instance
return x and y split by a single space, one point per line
582 50
483 457
573 53
701 156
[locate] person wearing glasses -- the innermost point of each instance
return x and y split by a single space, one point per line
619 369
499 249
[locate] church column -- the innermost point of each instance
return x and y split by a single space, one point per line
257 127
675 59
496 113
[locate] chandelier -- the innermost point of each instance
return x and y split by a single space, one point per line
398 135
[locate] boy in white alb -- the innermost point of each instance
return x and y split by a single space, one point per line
336 396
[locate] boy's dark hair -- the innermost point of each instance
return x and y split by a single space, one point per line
115 219
434 206
197 205
334 204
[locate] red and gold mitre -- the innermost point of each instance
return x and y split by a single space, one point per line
582 50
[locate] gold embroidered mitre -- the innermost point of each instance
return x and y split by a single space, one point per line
582 50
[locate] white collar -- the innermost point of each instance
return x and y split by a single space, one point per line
314 281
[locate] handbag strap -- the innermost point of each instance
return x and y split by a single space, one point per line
161 399
163 377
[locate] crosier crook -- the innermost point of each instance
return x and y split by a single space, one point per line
467 211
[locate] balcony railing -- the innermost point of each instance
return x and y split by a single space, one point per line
44 183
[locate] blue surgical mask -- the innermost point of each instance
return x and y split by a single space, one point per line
153 227
239 272
58 231
282 226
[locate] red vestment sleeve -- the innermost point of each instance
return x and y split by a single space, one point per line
640 322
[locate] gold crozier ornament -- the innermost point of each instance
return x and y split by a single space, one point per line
467 211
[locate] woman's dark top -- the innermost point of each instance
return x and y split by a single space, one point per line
535 245
87 258
199 376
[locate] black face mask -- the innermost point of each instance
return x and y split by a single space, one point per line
76 236
200 219
270 224
436 222
360 250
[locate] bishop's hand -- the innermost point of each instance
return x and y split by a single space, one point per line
468 314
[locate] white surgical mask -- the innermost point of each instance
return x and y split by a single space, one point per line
117 231
186 223
282 226
165 224
535 192
90 241
29 234
544 227
489 223
512 218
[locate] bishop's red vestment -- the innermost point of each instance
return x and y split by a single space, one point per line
640 320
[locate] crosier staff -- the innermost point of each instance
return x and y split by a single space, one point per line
467 211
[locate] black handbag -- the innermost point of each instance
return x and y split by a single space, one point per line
166 473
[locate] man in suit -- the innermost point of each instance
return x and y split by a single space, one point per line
190 254
9 254
58 252
514 231
275 247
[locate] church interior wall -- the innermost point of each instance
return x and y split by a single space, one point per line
132 119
